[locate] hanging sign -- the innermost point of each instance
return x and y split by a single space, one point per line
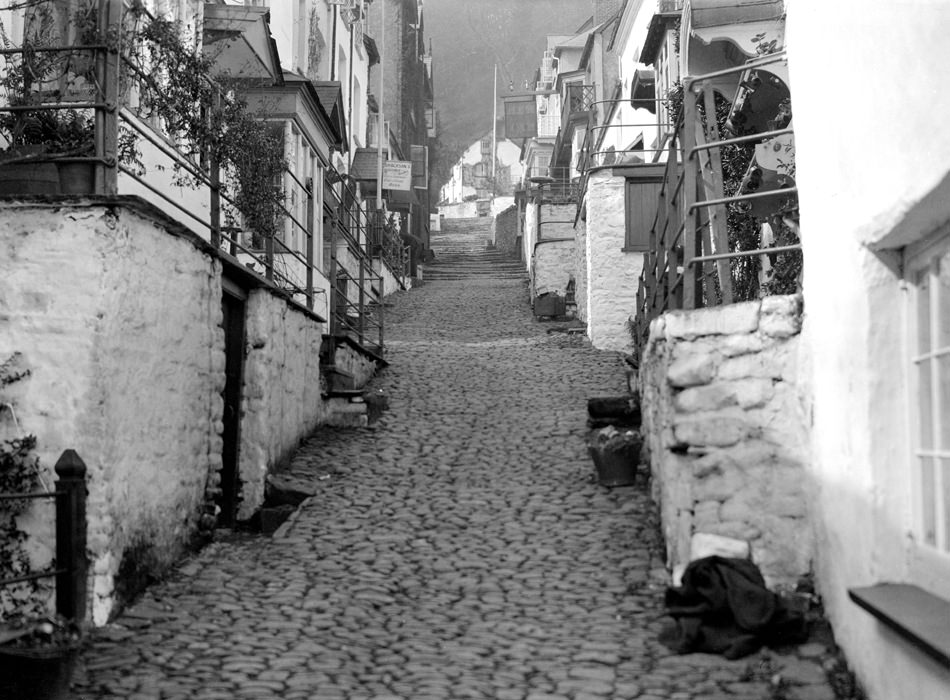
397 175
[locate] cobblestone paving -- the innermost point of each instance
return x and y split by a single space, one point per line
458 548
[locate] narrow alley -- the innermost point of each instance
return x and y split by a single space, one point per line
457 548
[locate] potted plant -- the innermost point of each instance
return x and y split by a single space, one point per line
37 657
45 147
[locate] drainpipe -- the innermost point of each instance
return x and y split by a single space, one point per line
336 17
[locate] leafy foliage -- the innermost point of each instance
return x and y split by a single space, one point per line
19 474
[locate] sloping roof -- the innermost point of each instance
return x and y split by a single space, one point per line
659 25
243 45
365 165
330 94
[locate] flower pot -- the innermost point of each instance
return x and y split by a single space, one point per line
616 456
41 673
29 178
76 178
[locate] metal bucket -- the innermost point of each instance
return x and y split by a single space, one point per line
616 459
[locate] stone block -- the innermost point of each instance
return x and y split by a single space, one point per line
713 462
718 320
718 487
705 514
705 398
781 316
692 371
704 544
742 344
713 429
736 529
764 365
753 393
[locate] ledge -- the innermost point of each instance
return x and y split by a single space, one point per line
919 617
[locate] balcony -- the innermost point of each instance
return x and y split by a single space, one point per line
552 185
577 102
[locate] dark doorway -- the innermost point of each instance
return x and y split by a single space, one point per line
233 306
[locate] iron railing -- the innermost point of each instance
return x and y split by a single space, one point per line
71 563
689 264
553 185
112 98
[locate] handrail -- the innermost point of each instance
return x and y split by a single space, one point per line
114 114
688 263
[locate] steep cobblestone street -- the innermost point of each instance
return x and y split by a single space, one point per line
457 548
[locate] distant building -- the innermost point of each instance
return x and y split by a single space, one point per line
473 190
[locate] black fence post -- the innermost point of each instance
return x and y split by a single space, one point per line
71 536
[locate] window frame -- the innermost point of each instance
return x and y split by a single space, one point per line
929 564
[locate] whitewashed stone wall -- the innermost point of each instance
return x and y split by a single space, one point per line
726 435
530 235
504 230
611 273
581 275
361 366
119 323
282 401
554 255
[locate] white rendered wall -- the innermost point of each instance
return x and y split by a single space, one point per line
894 56
281 402
611 273
119 323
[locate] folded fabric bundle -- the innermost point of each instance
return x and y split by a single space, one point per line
723 607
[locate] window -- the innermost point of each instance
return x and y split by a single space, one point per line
929 274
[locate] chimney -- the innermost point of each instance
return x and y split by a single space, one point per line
604 10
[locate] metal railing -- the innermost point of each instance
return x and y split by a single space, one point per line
111 101
690 258
71 563
553 185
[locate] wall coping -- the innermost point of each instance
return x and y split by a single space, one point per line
235 269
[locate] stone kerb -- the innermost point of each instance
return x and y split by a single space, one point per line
726 438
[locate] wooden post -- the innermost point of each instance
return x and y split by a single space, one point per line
269 255
718 216
334 293
311 220
690 190
71 536
361 330
107 119
382 312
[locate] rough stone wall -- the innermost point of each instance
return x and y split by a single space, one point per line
282 401
359 365
119 325
727 440
505 230
612 273
554 256
553 267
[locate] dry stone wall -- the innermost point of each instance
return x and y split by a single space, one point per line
726 435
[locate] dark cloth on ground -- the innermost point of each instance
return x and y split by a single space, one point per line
723 607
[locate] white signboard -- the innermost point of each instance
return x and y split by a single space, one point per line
397 175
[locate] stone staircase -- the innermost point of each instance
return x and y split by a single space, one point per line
462 251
